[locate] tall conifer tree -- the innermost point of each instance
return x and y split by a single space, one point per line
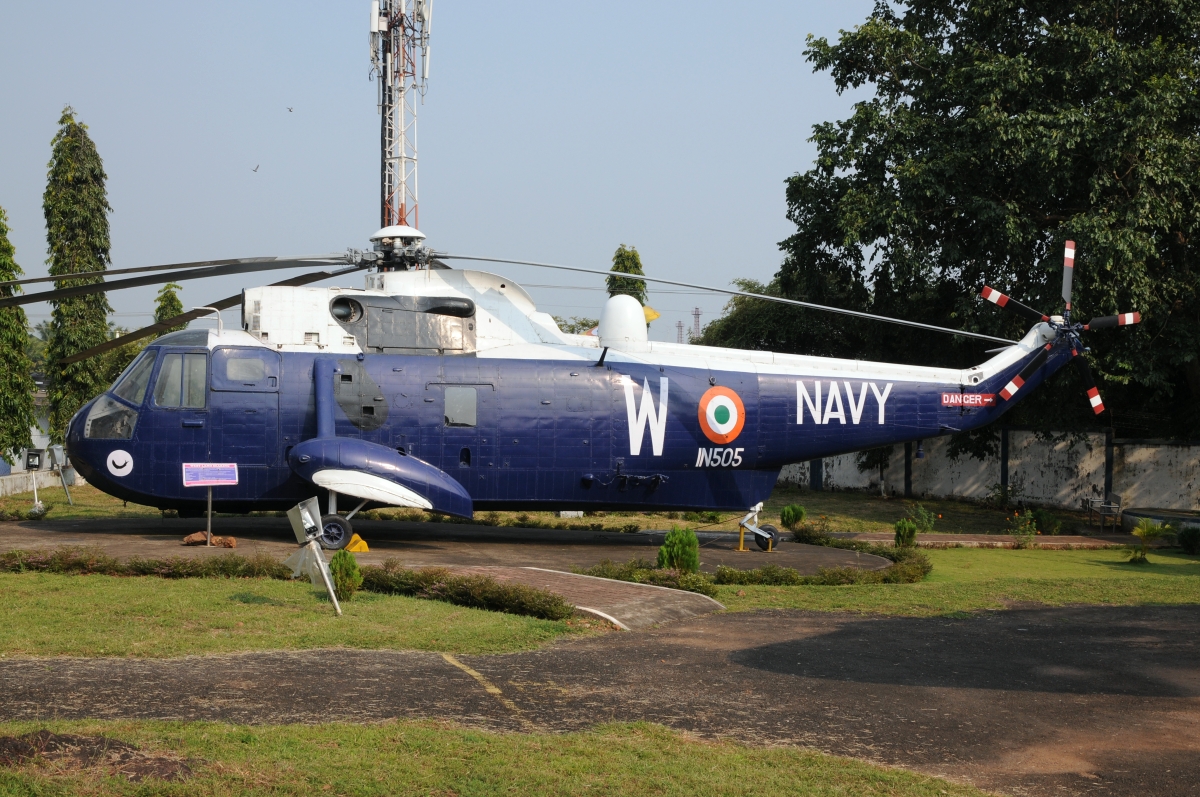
167 305
627 260
16 369
76 209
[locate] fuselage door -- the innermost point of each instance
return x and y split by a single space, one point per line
245 406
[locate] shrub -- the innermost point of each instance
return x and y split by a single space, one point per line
1022 529
680 551
922 517
906 533
641 571
771 575
347 578
813 532
632 528
792 515
1147 531
702 517
1189 540
1046 521
478 592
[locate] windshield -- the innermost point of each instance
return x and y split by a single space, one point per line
132 384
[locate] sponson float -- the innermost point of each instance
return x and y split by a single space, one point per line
447 390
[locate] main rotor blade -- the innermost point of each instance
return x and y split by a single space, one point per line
1124 319
1089 382
192 315
731 292
189 272
1068 271
1008 303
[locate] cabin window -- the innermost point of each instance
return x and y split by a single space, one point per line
132 384
460 406
109 420
245 369
181 381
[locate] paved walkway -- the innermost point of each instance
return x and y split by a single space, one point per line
1094 700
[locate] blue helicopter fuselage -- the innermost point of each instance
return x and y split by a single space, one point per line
535 428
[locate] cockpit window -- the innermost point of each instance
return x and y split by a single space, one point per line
181 381
132 384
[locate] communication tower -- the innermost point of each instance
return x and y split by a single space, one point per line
400 62
696 323
679 331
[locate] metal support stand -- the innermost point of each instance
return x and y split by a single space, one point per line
208 531
750 521
332 503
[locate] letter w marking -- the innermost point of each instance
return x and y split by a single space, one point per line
638 419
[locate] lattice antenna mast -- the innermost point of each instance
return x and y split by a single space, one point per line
400 61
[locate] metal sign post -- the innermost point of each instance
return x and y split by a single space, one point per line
209 474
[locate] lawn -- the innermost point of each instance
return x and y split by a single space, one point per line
422 758
44 614
846 511
971 579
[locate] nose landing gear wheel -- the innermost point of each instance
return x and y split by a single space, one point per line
762 541
335 532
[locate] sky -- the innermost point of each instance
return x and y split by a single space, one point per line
550 132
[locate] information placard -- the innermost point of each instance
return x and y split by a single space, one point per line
209 474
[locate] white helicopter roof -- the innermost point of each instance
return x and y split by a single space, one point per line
398 231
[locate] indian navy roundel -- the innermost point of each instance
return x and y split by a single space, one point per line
722 415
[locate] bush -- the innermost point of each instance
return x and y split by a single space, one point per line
1189 540
922 517
1022 529
812 532
478 592
770 575
792 515
1147 531
347 578
641 571
1046 521
89 561
702 517
906 533
680 551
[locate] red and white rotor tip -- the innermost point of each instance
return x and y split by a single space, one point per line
1094 399
994 296
1011 388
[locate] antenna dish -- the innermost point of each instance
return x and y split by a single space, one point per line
398 231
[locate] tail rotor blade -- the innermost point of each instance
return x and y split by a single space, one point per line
1089 383
1122 320
1020 379
1008 303
1068 272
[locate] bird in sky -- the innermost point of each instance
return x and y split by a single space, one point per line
289 109
255 168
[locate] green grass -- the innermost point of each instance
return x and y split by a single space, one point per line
89 503
422 758
44 614
970 579
846 511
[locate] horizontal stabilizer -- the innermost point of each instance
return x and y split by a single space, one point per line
378 474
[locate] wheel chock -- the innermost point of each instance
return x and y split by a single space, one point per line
357 544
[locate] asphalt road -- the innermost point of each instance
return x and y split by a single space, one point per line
1031 701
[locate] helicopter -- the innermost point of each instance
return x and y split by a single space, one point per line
447 390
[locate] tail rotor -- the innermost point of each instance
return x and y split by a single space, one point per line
1068 332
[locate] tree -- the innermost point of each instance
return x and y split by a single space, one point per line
76 210
577 325
17 415
627 260
167 305
996 131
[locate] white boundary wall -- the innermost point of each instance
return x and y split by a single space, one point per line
1043 472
